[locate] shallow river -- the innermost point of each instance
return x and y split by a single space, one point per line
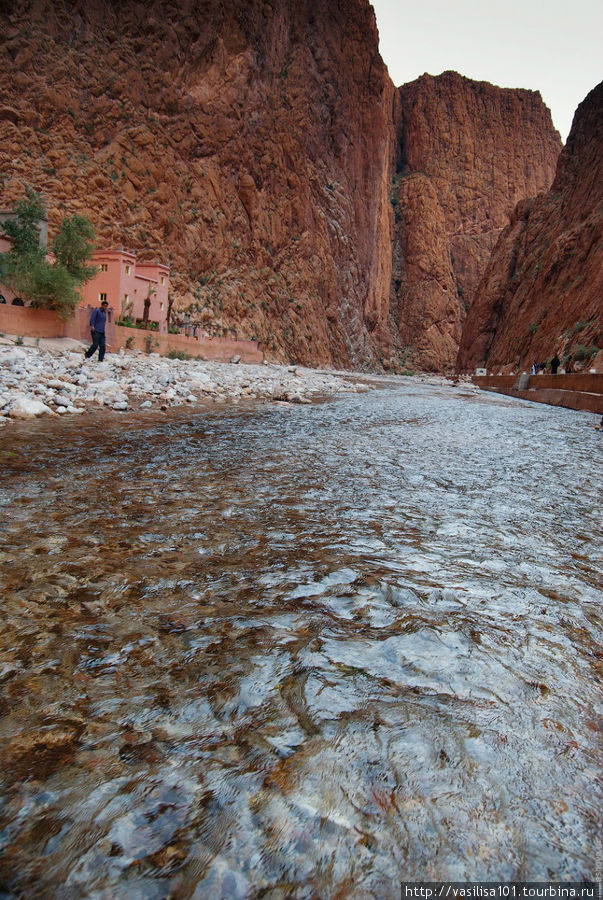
302 651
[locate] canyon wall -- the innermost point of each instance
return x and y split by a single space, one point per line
261 150
248 144
542 291
467 153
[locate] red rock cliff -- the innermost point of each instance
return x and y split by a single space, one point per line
543 288
467 152
249 144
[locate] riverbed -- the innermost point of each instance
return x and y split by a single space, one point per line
300 651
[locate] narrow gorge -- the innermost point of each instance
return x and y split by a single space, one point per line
262 150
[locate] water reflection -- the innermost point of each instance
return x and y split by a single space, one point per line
299 652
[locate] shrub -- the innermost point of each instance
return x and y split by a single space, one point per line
177 354
581 352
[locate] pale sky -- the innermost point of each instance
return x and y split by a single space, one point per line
551 46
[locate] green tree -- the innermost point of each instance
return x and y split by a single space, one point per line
25 268
23 229
47 286
74 245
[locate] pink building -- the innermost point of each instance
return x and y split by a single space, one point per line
125 284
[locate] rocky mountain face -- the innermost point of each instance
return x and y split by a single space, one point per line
260 149
249 144
467 153
541 293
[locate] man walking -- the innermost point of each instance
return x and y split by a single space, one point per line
98 321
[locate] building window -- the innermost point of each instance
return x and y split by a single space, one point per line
162 280
102 297
126 298
128 270
103 267
161 306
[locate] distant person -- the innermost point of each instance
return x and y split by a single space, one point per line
535 367
98 322
569 365
555 363
17 301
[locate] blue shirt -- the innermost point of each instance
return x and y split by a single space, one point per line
98 319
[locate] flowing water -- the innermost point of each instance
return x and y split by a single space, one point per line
299 651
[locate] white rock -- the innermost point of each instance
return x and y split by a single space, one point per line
13 356
108 386
146 405
191 398
24 408
62 401
120 405
199 379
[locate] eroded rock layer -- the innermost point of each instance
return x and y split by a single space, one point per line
467 153
249 144
542 291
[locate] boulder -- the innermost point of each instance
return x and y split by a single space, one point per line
25 408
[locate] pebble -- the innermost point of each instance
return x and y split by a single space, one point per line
68 384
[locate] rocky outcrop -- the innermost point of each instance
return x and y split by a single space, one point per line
541 293
248 144
467 152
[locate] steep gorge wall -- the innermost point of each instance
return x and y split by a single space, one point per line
542 291
250 145
260 149
467 153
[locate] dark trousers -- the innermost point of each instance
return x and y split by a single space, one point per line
98 343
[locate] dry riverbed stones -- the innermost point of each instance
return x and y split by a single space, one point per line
40 382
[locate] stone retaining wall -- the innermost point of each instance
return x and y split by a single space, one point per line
217 349
580 381
44 323
23 320
579 391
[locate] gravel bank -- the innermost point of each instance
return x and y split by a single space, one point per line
57 380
